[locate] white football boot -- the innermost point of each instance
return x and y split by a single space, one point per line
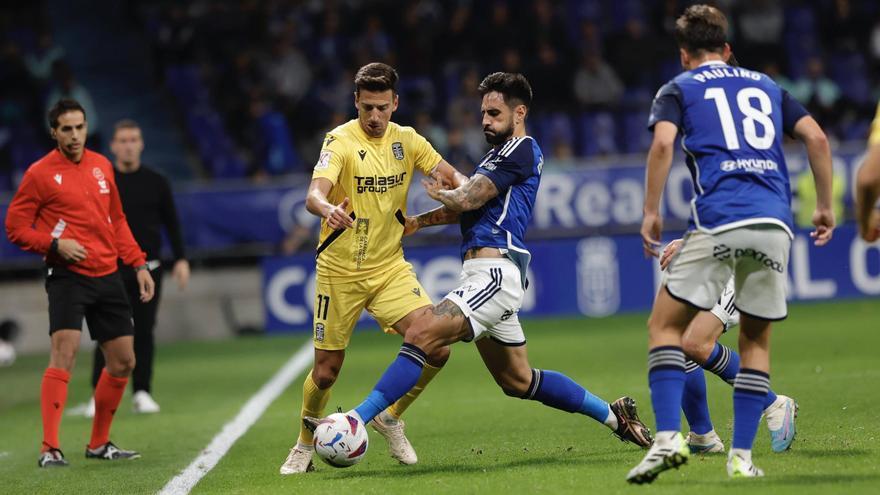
708 443
670 450
299 460
398 445
740 466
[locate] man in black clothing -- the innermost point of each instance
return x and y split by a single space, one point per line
148 205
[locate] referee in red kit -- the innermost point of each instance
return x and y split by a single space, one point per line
67 208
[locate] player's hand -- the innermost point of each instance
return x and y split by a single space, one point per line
180 272
652 226
823 219
871 232
410 226
146 285
71 251
433 188
336 216
669 252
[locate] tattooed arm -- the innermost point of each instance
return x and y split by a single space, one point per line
437 216
469 196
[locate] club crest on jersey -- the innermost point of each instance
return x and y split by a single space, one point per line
98 173
397 149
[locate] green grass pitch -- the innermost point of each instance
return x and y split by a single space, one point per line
469 436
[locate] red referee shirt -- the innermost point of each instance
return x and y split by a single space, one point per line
61 199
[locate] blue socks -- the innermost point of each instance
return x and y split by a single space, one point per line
694 402
548 387
666 377
398 379
749 394
724 362
558 391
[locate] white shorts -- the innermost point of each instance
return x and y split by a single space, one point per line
755 256
490 296
725 309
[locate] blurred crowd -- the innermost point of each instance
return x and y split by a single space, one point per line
257 83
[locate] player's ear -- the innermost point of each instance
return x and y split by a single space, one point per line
395 100
356 99
726 51
685 58
521 111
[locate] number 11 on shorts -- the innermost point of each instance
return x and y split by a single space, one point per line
321 307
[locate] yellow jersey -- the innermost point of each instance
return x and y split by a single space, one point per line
375 174
874 137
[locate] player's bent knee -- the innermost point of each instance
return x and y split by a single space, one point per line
514 385
697 349
324 376
438 357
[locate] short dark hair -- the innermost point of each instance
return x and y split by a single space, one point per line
124 124
376 77
61 107
513 86
701 28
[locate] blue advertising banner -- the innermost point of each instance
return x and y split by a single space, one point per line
594 276
606 198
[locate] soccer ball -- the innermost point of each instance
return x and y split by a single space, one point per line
341 440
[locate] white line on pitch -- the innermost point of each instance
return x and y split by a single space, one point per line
232 431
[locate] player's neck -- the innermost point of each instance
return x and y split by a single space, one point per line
128 167
706 59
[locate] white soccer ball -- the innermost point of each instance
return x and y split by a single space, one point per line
341 440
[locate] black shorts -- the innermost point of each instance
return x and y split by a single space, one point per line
102 301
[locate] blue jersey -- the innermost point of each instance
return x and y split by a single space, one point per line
731 120
515 169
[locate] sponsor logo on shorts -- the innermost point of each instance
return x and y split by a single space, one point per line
319 332
417 291
723 252
507 314
751 165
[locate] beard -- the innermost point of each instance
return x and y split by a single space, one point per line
496 138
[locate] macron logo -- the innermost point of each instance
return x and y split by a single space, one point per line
58 179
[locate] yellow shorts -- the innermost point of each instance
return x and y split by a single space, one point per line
388 297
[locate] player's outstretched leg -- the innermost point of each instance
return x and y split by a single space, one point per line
510 367
702 438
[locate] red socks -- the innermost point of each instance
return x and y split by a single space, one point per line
53 395
108 393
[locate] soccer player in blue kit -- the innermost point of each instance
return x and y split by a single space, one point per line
731 121
494 206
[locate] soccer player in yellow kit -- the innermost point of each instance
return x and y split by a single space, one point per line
868 186
359 189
